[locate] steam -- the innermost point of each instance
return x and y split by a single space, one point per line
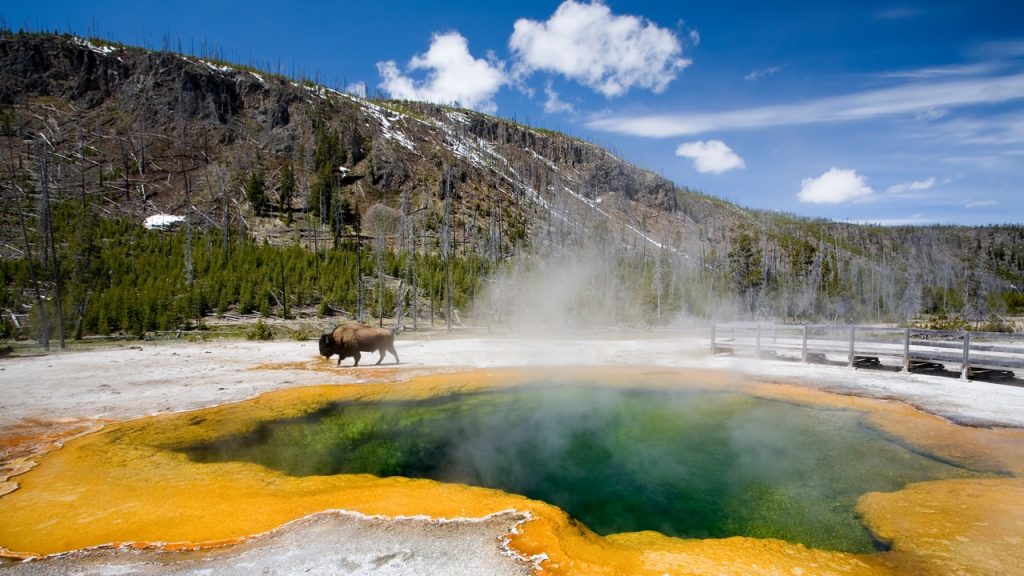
593 287
566 290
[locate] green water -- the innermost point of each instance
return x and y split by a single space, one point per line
689 464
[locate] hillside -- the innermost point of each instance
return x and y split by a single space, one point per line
151 119
118 134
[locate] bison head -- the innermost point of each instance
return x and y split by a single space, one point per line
325 346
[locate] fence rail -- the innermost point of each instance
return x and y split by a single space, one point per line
972 354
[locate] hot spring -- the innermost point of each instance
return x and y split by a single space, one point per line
609 471
693 464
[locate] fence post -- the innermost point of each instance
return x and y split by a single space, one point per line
853 330
965 366
803 349
906 350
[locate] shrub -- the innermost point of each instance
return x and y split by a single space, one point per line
996 323
305 332
260 331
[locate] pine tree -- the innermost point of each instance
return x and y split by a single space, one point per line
255 189
745 267
286 192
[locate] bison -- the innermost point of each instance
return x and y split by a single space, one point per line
351 339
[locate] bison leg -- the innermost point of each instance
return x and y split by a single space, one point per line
391 348
381 351
357 355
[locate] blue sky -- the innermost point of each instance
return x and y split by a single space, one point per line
872 111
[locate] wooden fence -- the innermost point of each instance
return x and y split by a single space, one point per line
972 354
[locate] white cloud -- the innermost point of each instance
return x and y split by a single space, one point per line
1000 49
996 130
912 98
695 37
835 187
942 71
554 104
931 114
914 220
897 13
915 186
608 53
357 89
454 75
1002 162
712 156
981 204
760 73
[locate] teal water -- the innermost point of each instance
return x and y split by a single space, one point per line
688 464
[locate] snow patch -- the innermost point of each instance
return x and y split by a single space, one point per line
593 204
543 159
476 151
162 221
105 50
645 236
458 117
321 92
386 119
223 69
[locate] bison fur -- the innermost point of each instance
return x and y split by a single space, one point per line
351 339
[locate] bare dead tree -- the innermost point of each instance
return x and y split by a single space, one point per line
222 182
381 222
658 283
44 332
188 264
140 160
360 299
406 247
447 249
82 274
46 221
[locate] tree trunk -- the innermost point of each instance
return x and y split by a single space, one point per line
54 261
44 329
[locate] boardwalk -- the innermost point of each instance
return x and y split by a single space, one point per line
972 354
